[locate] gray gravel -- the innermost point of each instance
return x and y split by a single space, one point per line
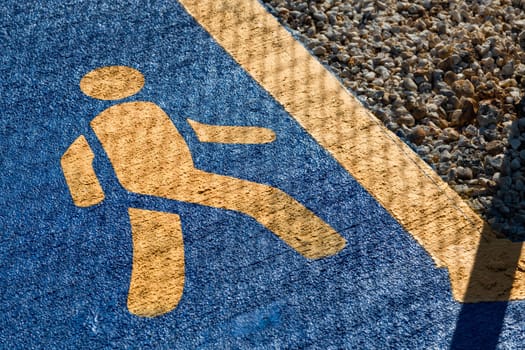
447 77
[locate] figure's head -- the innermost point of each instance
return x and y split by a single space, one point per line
112 82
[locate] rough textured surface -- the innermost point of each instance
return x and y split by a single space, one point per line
445 76
157 276
112 82
231 134
66 270
77 165
437 218
151 157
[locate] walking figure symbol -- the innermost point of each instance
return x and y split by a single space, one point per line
150 157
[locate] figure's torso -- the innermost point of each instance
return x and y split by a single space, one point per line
143 145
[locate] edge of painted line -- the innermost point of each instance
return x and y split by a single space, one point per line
438 219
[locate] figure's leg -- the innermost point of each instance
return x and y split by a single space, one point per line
291 221
151 157
157 276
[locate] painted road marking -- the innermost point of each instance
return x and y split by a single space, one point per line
66 271
231 134
151 157
406 186
77 165
157 276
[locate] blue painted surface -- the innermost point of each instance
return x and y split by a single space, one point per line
64 271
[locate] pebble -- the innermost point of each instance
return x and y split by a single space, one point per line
508 69
521 39
445 156
521 124
417 135
406 119
495 147
450 77
487 114
515 164
508 83
438 73
370 76
450 135
409 84
515 143
463 88
469 111
319 51
464 173
495 162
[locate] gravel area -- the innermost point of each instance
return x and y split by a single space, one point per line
447 77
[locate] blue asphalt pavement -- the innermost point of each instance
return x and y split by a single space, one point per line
65 271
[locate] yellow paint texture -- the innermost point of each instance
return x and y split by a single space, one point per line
231 134
481 267
112 82
77 165
157 276
151 157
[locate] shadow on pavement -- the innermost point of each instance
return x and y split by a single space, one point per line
497 263
480 323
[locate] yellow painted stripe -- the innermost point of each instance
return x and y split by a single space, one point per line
406 186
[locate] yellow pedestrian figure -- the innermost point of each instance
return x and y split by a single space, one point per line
151 157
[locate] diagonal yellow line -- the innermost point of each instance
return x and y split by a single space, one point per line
388 169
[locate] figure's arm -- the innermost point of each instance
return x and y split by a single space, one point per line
232 134
77 165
